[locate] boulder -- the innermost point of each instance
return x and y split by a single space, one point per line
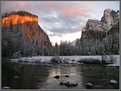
16 77
113 82
57 77
69 83
89 86
66 75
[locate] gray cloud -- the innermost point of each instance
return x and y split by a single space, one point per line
55 34
61 23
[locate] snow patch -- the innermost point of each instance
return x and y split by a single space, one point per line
70 59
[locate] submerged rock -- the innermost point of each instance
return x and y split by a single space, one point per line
70 83
98 87
57 77
16 77
113 82
89 85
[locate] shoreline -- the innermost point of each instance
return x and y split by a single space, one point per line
112 60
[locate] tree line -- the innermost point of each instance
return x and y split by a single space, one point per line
13 45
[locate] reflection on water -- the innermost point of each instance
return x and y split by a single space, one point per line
15 75
29 75
62 70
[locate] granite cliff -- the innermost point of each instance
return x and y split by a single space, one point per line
20 30
101 36
25 23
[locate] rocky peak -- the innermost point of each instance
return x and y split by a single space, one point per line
101 37
110 17
21 13
26 24
16 17
95 25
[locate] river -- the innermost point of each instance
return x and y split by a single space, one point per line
41 76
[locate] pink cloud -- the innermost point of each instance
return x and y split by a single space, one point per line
22 3
75 11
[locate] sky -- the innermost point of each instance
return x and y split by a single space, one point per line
62 20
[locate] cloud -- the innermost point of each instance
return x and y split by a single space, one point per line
61 23
75 11
66 37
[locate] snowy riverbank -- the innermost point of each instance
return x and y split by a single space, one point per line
113 59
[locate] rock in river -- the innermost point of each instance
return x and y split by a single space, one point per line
57 77
113 82
16 77
89 85
6 87
66 75
69 83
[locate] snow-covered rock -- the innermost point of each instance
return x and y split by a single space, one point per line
89 85
56 59
107 58
110 17
113 82
115 60
98 34
96 25
70 83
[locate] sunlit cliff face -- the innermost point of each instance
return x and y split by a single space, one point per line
27 24
15 19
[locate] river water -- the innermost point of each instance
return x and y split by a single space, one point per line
41 76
